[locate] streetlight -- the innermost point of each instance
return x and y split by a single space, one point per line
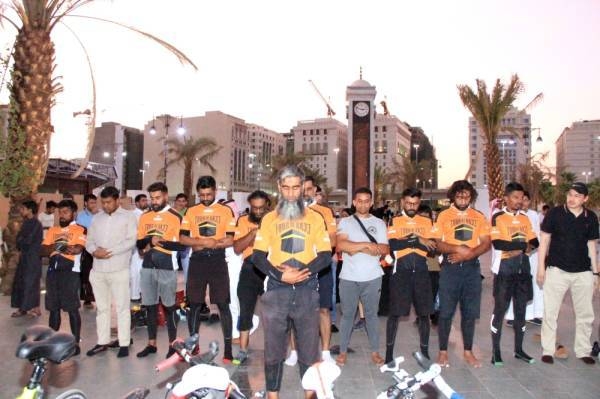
539 137
416 147
587 176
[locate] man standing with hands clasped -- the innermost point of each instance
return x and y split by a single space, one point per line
569 234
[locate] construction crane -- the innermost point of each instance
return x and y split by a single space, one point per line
383 103
330 111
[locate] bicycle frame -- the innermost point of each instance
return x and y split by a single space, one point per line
34 389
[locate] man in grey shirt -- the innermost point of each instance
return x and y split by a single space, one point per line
111 238
360 278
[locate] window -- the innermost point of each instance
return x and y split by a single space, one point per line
473 152
376 128
325 131
304 132
384 128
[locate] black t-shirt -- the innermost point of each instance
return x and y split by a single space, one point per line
570 236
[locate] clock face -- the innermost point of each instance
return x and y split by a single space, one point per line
361 109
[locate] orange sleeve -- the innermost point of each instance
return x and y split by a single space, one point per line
485 228
48 240
141 230
321 237
264 233
230 222
78 237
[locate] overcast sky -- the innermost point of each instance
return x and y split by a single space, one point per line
255 59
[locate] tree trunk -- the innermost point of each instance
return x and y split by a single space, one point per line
495 179
11 257
188 181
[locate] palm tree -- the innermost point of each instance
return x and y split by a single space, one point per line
532 175
188 151
488 109
32 94
564 180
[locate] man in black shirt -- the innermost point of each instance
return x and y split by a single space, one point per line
569 232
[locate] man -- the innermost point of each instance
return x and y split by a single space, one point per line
64 245
569 234
25 294
464 236
327 275
158 239
111 238
513 236
410 237
251 281
209 228
535 308
47 218
137 258
291 247
360 278
84 218
183 257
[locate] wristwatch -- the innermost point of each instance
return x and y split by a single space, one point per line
596 274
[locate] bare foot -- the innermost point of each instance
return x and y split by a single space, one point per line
442 359
472 360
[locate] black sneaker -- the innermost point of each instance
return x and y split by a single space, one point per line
77 350
524 357
123 351
535 321
146 351
96 349
595 349
497 359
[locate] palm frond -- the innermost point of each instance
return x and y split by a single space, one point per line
184 59
536 100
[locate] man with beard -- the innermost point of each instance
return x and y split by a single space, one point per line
64 245
158 239
291 247
410 237
137 257
209 228
513 236
251 281
84 218
464 235
111 237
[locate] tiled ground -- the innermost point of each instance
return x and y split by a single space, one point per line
105 376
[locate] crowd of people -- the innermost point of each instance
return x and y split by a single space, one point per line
298 259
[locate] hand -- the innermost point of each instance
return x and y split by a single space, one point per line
156 240
372 249
540 276
429 244
291 275
460 254
513 253
101 253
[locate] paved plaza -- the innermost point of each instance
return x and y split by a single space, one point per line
105 376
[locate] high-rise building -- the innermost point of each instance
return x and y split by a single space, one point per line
578 150
241 145
422 152
120 147
391 140
514 150
325 142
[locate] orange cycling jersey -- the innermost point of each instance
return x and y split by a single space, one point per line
73 234
403 227
328 216
243 227
292 242
165 223
214 221
510 227
458 227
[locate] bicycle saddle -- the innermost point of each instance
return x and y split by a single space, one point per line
39 342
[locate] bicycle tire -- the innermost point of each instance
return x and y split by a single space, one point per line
72 394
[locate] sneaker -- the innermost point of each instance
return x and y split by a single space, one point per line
497 359
535 321
595 349
123 351
170 352
292 359
96 349
115 343
510 323
524 357
77 350
241 357
326 356
147 351
360 324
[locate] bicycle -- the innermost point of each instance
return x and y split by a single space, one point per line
40 345
406 384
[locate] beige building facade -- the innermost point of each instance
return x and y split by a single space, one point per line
578 150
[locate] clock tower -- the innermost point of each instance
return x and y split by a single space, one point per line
360 97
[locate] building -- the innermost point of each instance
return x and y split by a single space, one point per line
325 142
241 145
121 147
391 140
513 150
578 150
422 153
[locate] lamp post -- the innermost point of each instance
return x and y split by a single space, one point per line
180 130
539 137
587 176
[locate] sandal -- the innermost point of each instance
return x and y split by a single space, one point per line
18 313
34 313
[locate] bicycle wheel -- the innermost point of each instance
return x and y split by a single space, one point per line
72 394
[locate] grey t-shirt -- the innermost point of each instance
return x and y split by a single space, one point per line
362 267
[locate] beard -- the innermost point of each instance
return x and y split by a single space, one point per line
207 203
461 208
254 219
158 207
290 209
410 213
64 222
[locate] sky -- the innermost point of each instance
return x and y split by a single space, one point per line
255 58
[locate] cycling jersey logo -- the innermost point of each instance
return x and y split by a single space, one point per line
207 229
292 241
463 232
